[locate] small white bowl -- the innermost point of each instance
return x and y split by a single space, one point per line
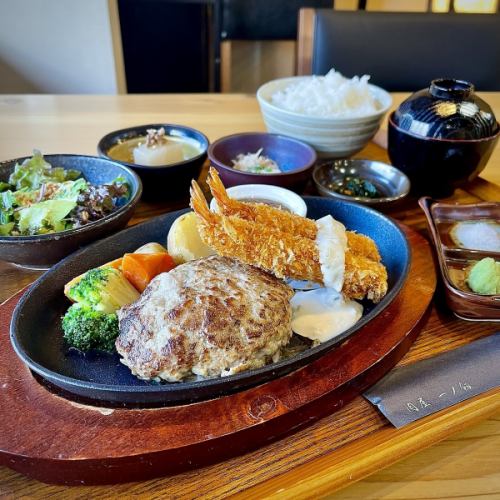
330 137
265 192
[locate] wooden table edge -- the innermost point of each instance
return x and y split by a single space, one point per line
335 470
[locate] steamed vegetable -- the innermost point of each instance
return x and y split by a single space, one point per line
152 247
184 242
92 323
140 269
85 328
116 263
105 289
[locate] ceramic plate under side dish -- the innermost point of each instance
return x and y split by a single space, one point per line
454 260
37 337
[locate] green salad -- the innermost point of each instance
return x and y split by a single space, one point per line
39 199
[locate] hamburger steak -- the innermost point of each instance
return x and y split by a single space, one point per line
209 317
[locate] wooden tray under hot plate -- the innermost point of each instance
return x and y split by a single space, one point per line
56 440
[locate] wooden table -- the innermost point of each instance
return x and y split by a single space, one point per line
303 465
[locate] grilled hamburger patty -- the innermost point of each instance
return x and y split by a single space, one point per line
209 317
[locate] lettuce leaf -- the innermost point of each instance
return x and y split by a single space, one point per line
24 197
47 215
5 229
70 190
7 202
35 171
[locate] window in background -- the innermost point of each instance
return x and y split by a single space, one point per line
483 6
466 6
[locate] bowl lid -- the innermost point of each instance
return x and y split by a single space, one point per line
448 109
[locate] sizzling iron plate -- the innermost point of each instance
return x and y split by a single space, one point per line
36 327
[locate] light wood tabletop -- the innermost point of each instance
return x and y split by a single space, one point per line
464 465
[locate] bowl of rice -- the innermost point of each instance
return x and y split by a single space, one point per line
336 115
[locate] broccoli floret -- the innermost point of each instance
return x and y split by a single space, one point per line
104 289
85 328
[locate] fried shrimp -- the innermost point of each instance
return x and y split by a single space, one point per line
283 253
279 219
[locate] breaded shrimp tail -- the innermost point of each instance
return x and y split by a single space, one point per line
280 219
259 212
199 204
282 253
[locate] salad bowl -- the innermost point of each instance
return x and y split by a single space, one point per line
43 250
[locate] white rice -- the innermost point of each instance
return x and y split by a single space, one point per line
331 95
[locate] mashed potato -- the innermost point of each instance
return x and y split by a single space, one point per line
332 96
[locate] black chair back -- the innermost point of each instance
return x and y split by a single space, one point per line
263 19
405 51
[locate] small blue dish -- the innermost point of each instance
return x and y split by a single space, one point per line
44 250
294 158
165 181
100 377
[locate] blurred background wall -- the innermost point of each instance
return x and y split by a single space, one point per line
60 46
115 46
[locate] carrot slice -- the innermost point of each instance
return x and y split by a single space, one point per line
117 263
140 269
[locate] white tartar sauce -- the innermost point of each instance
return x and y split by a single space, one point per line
331 240
322 314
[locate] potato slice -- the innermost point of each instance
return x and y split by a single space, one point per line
184 242
152 247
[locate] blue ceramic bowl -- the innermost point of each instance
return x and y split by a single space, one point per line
167 181
295 159
42 251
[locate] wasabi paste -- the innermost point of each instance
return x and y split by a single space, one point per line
484 277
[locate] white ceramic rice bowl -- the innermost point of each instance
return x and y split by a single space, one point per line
330 137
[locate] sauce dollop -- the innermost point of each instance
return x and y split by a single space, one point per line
322 314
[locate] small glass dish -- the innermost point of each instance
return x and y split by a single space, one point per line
454 260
